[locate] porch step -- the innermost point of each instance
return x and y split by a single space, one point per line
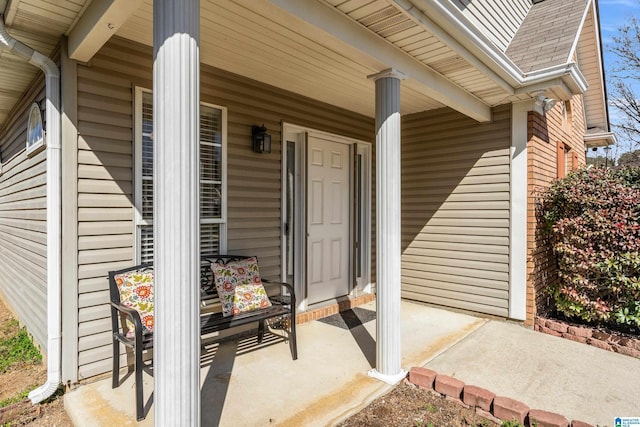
326 311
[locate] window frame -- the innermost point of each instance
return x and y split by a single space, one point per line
137 169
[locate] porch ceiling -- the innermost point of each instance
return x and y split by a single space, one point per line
268 41
266 44
39 24
262 41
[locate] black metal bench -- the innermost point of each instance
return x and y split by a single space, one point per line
211 319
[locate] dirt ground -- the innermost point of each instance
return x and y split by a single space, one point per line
20 378
408 406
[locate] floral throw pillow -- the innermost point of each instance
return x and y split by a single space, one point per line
136 291
239 286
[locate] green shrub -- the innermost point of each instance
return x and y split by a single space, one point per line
17 349
593 216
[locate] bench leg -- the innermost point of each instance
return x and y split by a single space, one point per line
115 380
293 345
139 394
260 331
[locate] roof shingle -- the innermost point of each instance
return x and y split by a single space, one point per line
545 37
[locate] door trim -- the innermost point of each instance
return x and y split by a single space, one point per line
298 135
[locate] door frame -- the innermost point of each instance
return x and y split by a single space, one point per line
360 149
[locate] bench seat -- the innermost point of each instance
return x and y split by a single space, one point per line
211 319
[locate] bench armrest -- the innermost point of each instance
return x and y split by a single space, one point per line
132 314
286 285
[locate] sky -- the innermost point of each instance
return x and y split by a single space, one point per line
614 14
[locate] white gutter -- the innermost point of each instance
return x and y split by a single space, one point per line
52 138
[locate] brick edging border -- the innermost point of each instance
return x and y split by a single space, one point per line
486 403
586 335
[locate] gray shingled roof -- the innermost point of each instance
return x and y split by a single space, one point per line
547 34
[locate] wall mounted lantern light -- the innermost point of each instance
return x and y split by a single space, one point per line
261 139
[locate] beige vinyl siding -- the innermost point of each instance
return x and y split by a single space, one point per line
589 61
497 19
455 210
105 175
23 225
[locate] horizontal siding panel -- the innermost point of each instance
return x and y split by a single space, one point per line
23 246
90 129
467 222
468 231
445 280
104 159
104 227
459 195
94 319
458 214
96 340
90 200
460 247
457 303
454 270
94 354
20 223
417 260
100 270
93 284
18 175
105 145
489 297
102 214
103 255
105 241
93 298
102 172
105 186
461 255
462 239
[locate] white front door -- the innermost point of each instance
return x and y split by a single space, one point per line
328 219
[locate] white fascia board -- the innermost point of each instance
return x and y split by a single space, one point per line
453 21
99 22
602 139
350 35
574 46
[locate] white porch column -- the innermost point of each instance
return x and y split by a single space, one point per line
388 328
176 85
518 206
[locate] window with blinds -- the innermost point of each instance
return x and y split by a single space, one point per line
212 174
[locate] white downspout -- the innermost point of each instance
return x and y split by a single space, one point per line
54 205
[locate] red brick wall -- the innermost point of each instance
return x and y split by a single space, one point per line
544 134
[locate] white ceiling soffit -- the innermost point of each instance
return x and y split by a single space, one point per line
39 24
354 39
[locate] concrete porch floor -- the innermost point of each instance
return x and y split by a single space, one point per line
247 385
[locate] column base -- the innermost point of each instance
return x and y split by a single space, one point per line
389 379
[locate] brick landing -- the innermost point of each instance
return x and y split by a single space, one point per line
319 313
